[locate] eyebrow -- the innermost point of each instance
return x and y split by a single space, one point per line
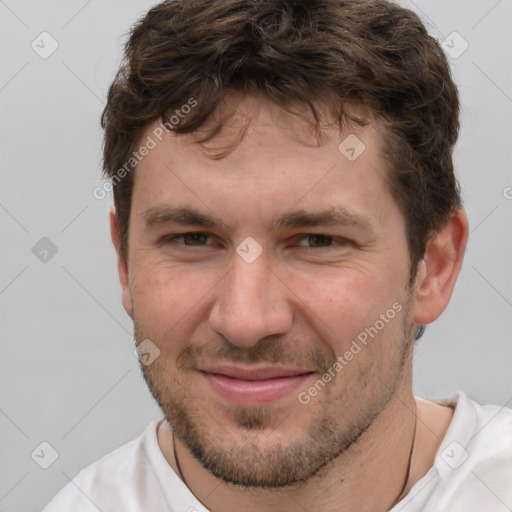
335 216
161 215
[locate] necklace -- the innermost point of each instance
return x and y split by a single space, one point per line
180 474
407 475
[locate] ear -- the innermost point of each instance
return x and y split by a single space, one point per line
122 264
440 267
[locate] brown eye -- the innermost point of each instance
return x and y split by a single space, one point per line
320 240
189 239
194 238
316 242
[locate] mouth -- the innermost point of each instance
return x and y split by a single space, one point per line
254 386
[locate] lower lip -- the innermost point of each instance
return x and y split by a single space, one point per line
254 392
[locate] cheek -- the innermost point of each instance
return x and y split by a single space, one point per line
343 304
166 297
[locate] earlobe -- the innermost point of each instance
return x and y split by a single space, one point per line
122 265
440 267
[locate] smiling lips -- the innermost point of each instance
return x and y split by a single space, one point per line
254 386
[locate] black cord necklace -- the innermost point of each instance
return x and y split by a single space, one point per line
407 476
180 474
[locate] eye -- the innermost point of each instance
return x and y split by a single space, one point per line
188 239
318 241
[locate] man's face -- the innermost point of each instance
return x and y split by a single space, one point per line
243 336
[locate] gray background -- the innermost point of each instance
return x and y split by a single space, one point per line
68 374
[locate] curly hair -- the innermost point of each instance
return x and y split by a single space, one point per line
370 53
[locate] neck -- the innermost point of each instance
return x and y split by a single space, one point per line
373 474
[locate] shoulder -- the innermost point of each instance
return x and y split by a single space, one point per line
485 431
119 479
474 459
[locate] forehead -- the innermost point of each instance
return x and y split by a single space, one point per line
279 163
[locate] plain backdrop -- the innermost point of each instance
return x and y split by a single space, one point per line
68 374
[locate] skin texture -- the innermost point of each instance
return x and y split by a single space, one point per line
301 303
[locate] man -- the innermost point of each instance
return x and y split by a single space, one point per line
287 221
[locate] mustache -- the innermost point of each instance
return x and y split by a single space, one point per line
265 351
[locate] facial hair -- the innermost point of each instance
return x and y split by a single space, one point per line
241 461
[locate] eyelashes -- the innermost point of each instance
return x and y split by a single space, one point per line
193 239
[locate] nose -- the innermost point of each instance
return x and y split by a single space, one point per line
251 303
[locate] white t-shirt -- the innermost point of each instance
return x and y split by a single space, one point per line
472 472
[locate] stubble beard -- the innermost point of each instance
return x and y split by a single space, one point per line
241 461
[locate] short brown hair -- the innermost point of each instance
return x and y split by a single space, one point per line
371 53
